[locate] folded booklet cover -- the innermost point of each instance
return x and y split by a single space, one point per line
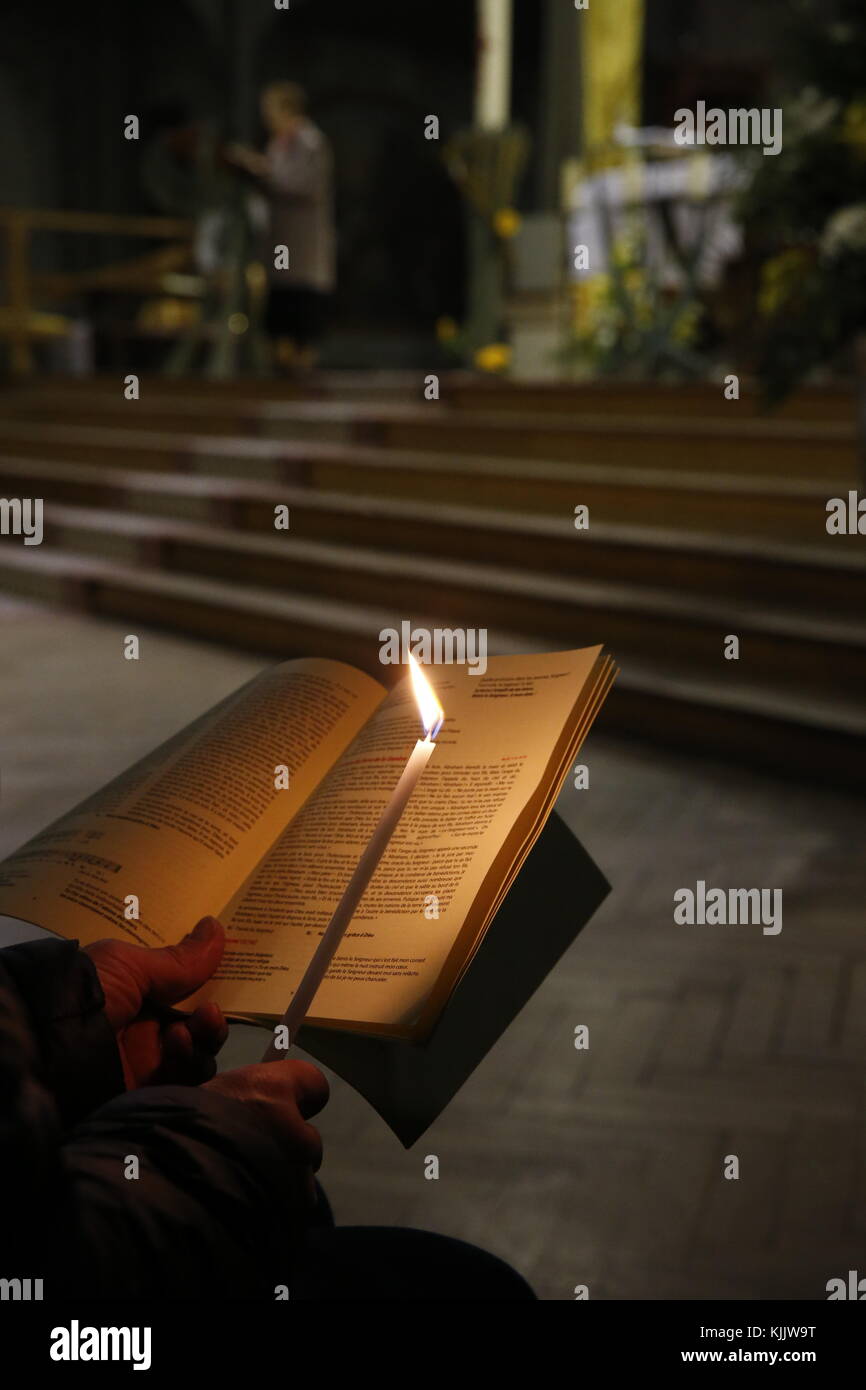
555 894
258 813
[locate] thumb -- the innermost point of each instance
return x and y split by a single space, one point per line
176 971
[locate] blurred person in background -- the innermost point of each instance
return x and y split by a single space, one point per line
294 173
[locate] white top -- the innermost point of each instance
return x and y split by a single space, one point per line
299 187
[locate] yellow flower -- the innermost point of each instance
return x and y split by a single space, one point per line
168 313
256 277
493 358
780 276
590 298
685 324
643 306
634 280
625 249
446 330
854 125
506 222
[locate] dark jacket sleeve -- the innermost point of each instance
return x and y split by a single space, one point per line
76 1053
166 1192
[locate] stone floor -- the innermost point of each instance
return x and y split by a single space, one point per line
601 1167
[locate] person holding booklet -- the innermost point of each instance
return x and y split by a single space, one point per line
257 815
130 1171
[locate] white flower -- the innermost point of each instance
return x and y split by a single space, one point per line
811 112
845 231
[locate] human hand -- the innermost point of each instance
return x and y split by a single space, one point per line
246 158
140 984
283 1095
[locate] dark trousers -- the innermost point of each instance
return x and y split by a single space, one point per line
381 1262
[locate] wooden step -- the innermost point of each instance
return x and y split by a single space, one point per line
814 744
787 448
256 620
192 415
340 385
817 740
814 579
694 399
790 509
733 444
463 390
777 647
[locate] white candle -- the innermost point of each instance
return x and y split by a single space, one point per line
431 715
493 74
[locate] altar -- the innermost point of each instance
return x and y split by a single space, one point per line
680 206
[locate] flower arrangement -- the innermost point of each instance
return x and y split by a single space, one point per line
625 322
490 357
805 209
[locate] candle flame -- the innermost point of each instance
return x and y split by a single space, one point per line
429 708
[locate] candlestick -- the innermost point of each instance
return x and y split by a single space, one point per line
493 74
431 715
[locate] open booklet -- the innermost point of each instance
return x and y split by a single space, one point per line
258 812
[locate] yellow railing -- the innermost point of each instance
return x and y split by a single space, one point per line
21 323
